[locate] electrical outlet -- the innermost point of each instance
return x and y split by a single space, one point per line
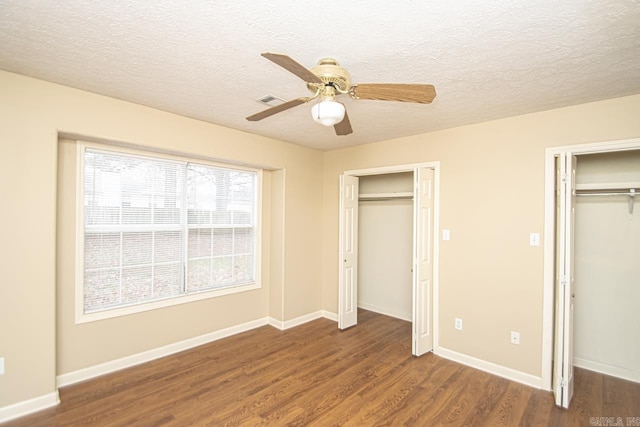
515 337
534 239
446 235
1 365
458 324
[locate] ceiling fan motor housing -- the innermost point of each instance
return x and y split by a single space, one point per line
331 73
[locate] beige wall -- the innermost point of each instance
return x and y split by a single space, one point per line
385 257
276 243
33 114
492 197
303 236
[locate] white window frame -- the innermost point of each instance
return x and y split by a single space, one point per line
81 316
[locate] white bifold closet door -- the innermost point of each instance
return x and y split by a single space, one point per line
565 220
423 261
348 279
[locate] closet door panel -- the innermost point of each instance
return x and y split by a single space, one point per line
423 262
348 263
563 360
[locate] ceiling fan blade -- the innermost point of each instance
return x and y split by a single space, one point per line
344 127
277 109
422 94
292 66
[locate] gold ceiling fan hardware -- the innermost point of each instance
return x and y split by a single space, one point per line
332 74
352 92
328 93
316 94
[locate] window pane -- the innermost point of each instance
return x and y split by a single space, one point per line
133 222
218 200
167 281
199 242
136 248
167 246
101 289
243 240
199 274
136 284
222 271
121 189
222 241
101 250
243 268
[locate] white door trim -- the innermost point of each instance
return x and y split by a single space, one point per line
436 225
393 169
549 239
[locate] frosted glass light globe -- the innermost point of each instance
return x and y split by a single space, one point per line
328 112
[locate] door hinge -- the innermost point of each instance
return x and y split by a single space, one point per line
564 177
563 382
563 280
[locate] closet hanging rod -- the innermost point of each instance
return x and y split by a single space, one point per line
382 199
385 196
630 193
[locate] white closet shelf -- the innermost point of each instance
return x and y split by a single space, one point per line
396 195
608 186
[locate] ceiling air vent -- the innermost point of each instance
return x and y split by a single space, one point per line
271 100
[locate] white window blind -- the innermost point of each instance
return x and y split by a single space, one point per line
156 228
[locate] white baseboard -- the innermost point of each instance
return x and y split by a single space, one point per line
27 407
603 368
329 315
386 312
295 322
146 356
492 368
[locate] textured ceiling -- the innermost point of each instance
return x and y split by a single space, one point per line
487 59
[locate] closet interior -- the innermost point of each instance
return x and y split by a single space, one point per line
385 244
607 264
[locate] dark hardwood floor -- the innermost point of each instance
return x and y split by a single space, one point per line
316 375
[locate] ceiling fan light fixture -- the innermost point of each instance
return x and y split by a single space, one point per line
328 112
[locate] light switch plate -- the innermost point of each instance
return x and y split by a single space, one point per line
1 365
446 235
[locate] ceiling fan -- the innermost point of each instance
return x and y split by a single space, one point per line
328 80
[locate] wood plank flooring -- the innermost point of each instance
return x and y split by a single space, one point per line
316 375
